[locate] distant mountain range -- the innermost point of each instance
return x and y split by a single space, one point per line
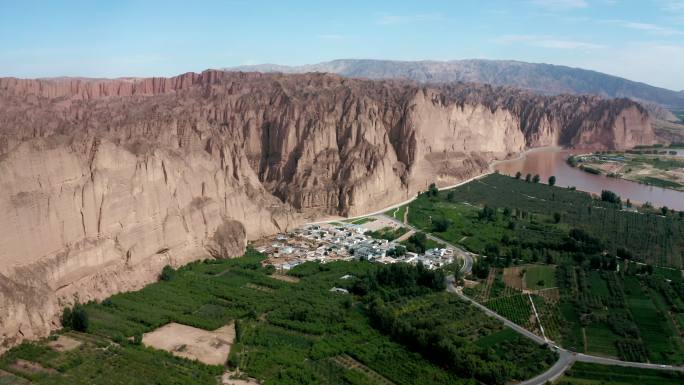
543 78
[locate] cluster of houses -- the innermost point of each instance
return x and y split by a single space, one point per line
341 241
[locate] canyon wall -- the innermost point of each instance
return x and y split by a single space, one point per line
103 182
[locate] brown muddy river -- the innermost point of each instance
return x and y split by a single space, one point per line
547 162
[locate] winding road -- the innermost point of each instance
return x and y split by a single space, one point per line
565 357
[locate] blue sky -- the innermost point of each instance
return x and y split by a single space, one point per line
639 39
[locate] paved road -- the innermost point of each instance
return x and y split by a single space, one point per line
611 361
466 255
565 357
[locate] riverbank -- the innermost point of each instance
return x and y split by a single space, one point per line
551 161
548 162
659 170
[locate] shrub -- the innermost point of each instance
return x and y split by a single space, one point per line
75 318
167 273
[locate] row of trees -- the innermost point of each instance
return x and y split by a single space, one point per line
75 318
536 178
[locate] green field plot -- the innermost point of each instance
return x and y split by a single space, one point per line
396 213
659 182
360 221
582 373
516 308
601 340
388 233
654 325
669 273
452 322
597 285
572 335
540 277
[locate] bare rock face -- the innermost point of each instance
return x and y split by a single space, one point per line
103 182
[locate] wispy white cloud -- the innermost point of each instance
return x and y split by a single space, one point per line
561 5
652 29
388 19
546 42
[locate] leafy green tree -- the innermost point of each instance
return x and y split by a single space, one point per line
433 190
451 196
417 242
440 224
536 178
552 180
488 213
167 273
66 318
79 318
611 197
556 217
75 318
528 177
518 175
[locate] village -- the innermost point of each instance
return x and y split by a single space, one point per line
345 241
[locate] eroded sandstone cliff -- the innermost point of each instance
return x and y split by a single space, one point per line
103 182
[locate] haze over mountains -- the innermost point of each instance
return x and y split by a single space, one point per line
543 78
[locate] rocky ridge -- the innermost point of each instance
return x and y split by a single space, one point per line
547 79
104 182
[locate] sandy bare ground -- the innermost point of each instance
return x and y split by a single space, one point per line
30 367
380 222
64 344
513 277
227 380
209 347
284 277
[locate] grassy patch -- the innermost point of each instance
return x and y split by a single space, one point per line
540 277
360 221
658 182
601 340
388 233
397 213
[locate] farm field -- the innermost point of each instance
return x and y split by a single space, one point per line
629 315
587 299
585 373
531 222
540 277
285 331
